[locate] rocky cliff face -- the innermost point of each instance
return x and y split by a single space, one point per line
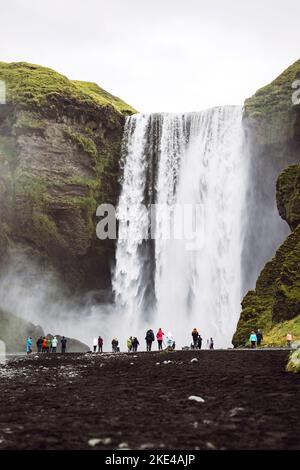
273 129
59 159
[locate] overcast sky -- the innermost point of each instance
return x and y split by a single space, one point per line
158 55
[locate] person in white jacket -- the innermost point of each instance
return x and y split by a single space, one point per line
54 343
95 344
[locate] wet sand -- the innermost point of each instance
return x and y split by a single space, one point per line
69 401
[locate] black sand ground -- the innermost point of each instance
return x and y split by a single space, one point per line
62 402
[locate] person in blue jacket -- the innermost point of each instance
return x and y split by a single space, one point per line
253 339
28 345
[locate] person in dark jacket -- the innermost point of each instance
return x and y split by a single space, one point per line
115 345
39 344
135 344
195 336
100 344
259 338
211 344
63 344
149 339
199 342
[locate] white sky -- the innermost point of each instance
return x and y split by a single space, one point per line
158 55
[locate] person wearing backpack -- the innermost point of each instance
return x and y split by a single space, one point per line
160 338
149 339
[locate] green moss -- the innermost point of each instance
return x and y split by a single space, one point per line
46 230
293 364
102 96
275 97
28 120
276 336
288 195
33 190
84 143
38 87
8 150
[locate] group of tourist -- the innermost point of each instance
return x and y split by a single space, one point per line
256 338
197 341
46 344
98 343
49 344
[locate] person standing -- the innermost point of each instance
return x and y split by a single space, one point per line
54 343
207 344
28 345
135 344
160 338
211 344
195 336
49 345
44 345
199 342
39 344
253 340
289 340
129 344
100 344
259 337
95 344
63 344
149 339
115 345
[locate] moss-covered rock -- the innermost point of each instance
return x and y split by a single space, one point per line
293 364
59 159
288 195
277 293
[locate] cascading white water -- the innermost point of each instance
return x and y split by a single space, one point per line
191 159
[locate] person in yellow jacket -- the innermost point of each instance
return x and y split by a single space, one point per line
129 344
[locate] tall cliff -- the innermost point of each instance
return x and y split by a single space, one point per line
59 159
272 126
272 130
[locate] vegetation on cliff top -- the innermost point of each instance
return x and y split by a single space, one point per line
274 97
34 86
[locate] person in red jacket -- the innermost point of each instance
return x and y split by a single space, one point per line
100 344
44 345
160 337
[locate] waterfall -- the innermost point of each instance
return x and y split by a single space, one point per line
189 162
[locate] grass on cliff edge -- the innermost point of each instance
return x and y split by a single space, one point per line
274 97
276 336
33 85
